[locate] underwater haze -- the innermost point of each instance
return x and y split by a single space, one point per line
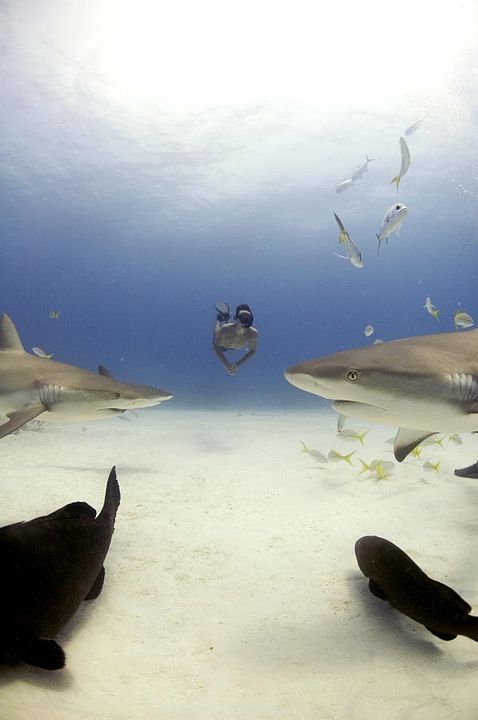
157 158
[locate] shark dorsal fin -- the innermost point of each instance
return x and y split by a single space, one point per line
9 338
406 439
103 371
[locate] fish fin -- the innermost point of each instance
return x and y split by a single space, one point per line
451 596
9 337
74 511
97 586
406 440
112 497
106 373
45 654
441 635
305 448
19 418
344 257
379 243
376 589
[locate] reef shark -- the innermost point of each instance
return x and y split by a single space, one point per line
424 384
31 386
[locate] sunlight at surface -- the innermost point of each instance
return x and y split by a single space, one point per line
188 54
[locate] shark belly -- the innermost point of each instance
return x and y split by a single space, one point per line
435 417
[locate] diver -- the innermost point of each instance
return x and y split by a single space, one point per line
234 334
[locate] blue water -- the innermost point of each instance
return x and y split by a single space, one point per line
132 223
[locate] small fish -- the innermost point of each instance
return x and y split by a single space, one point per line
413 127
428 465
392 222
362 169
316 454
430 308
455 439
353 435
353 252
54 314
433 441
341 423
377 341
369 330
344 185
41 353
462 320
335 456
381 468
405 153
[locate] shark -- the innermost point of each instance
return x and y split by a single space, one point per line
424 384
31 386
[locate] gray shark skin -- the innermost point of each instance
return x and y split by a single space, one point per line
394 577
31 386
48 566
425 384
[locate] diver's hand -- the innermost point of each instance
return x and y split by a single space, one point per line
232 369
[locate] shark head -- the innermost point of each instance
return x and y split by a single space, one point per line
129 396
427 382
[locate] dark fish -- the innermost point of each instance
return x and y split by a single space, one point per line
48 566
396 578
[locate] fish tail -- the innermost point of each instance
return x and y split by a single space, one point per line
470 627
379 243
305 449
362 436
369 159
348 458
435 315
365 467
396 179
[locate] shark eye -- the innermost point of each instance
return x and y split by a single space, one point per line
351 375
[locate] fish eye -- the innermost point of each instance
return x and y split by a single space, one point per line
351 375
398 207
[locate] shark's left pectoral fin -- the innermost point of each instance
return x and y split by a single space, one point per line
19 418
406 440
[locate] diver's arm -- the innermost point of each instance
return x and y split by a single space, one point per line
252 350
222 357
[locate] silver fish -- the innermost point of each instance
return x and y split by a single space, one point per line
391 222
354 254
405 164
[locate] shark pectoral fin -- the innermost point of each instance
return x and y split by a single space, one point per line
441 635
407 439
97 586
19 418
106 373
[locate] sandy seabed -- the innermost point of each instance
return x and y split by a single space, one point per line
232 590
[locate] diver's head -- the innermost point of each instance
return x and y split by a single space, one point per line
244 315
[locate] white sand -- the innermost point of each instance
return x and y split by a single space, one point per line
231 587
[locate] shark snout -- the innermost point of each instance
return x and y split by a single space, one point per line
302 377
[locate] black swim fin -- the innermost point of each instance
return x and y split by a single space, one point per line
45 654
223 311
74 511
